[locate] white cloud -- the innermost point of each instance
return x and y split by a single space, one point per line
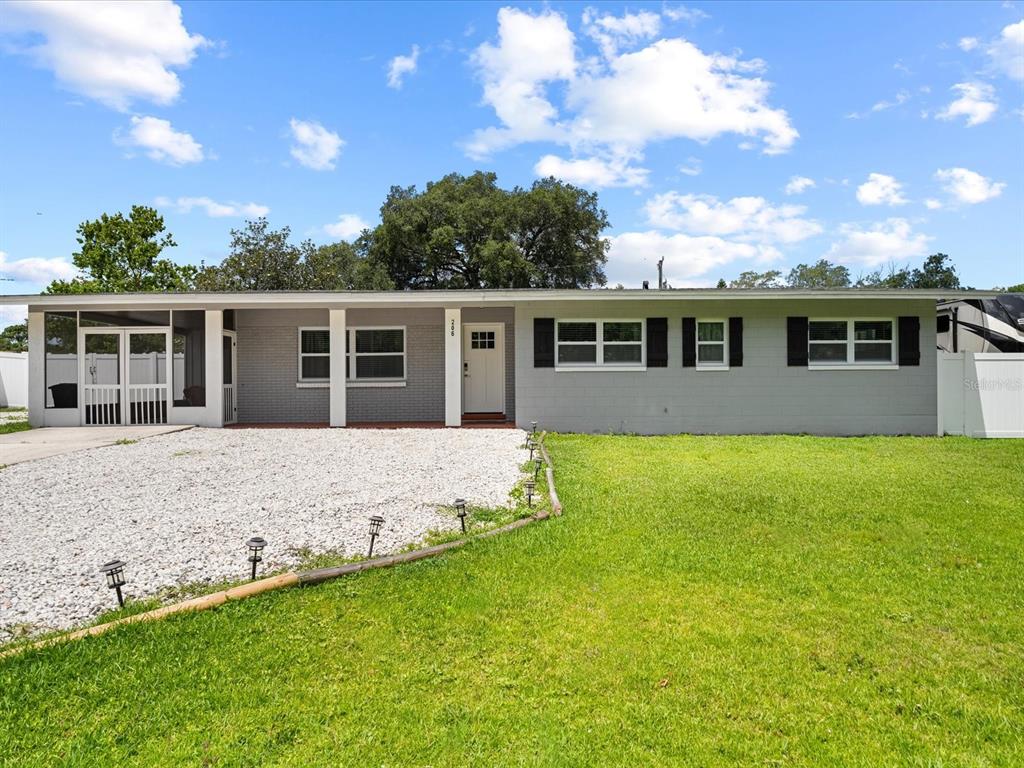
667 90
743 218
968 187
592 171
967 43
889 241
113 52
314 146
880 189
932 204
36 270
400 66
531 51
682 13
213 209
13 314
612 32
880 106
977 103
633 257
1007 51
692 167
797 185
347 227
160 141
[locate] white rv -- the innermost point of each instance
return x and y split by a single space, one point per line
982 325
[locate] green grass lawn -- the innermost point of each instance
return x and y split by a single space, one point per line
704 601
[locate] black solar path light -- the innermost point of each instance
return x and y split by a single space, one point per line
255 545
533 427
530 485
460 510
375 523
536 467
114 571
532 446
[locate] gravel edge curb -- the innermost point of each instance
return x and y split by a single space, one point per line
305 578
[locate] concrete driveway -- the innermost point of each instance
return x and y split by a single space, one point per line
17 447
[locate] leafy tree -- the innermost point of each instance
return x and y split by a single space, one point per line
751 279
467 232
341 267
890 277
1018 288
264 259
936 272
119 254
14 338
824 274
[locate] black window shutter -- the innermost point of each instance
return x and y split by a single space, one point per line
543 342
657 342
910 340
735 342
796 340
689 342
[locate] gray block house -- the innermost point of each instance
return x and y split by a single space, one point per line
831 362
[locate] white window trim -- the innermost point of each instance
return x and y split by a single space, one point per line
722 366
851 364
393 381
318 380
599 364
351 382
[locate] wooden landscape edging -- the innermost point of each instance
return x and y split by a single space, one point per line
304 578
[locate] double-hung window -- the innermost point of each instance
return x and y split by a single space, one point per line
850 342
375 354
371 354
314 354
712 344
599 343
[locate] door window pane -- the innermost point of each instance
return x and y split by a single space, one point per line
102 358
147 358
228 351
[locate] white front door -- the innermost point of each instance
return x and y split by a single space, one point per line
483 368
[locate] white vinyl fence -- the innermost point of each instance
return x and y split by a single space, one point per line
981 394
13 379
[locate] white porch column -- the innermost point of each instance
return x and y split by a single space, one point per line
338 391
214 368
37 369
453 367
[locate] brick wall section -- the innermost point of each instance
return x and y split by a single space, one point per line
764 396
268 367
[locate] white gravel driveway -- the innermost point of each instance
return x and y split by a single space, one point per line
179 508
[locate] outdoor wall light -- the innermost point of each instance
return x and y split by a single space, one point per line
114 571
460 510
536 467
375 523
530 485
255 545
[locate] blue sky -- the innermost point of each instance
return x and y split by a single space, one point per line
724 137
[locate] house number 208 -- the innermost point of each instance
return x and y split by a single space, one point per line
453 327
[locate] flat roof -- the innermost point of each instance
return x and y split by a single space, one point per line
300 299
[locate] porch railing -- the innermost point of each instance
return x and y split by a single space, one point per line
229 403
102 403
147 403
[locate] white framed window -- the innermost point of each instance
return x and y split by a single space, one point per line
314 354
375 354
860 342
602 344
712 344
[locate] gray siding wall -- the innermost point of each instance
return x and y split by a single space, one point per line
764 396
268 366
